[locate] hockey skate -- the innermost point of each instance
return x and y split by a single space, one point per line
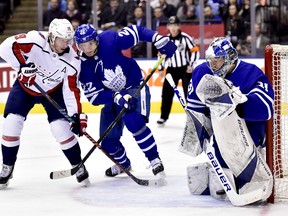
157 168
82 176
5 176
161 122
115 170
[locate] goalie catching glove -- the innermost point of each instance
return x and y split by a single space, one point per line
164 45
27 73
79 125
219 95
125 101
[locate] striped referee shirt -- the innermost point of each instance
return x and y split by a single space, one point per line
187 53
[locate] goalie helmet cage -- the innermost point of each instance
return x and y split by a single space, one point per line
276 68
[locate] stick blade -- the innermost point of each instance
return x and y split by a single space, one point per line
246 199
151 182
157 182
60 174
63 173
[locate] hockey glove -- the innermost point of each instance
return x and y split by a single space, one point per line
80 124
237 96
164 45
27 73
127 101
214 92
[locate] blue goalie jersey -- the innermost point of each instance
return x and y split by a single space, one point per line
109 70
254 84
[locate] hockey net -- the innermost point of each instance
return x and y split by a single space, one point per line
276 68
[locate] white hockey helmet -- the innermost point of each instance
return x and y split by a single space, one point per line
61 28
221 48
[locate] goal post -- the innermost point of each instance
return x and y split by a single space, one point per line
276 68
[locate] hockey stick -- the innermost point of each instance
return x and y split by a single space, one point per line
235 198
54 103
143 182
70 172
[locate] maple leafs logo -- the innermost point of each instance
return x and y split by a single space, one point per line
114 80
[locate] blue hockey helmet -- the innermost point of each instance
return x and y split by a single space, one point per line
221 49
85 33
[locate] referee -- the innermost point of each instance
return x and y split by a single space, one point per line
180 65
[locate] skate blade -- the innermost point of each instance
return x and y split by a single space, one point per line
85 183
4 186
161 125
161 175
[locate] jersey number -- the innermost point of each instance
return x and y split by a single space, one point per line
88 87
263 85
123 32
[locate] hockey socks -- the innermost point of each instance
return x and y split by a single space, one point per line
146 142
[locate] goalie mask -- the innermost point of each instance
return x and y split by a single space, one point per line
220 56
61 28
85 33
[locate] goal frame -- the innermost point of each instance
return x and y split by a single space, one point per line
273 130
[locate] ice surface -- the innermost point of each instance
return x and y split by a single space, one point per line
31 192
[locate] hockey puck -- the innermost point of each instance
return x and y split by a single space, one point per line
220 192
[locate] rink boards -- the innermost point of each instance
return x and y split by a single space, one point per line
8 75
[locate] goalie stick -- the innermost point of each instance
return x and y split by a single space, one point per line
235 198
70 172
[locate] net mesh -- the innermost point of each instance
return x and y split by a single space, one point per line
280 122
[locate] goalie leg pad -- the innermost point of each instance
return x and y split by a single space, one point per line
198 179
195 132
243 159
190 143
232 132
262 178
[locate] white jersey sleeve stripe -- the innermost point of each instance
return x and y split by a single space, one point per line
262 93
134 34
266 104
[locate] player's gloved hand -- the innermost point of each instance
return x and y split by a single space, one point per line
27 73
216 94
133 103
80 124
237 96
126 101
164 45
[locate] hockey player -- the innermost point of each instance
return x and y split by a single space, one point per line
47 59
110 78
232 100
